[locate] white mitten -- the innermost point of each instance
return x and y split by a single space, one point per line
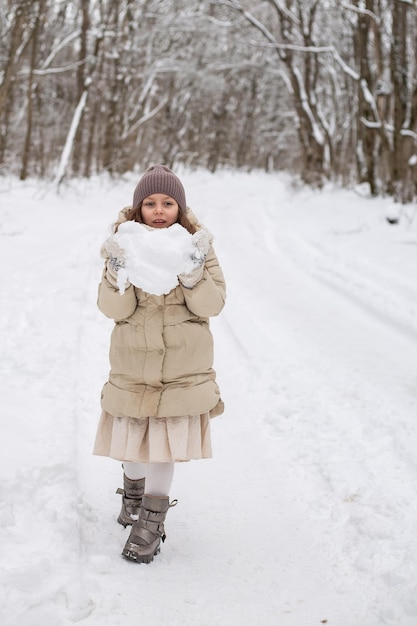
201 243
115 256
113 250
190 280
113 266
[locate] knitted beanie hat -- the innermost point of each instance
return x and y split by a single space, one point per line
159 179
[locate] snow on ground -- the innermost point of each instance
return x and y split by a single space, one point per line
307 513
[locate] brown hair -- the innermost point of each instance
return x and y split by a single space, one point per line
135 215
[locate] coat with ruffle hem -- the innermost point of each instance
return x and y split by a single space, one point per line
161 349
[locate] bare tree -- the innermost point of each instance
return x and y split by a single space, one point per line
404 103
322 88
40 12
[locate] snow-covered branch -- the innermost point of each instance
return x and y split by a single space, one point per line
251 18
359 10
283 10
64 42
388 128
318 135
369 97
285 77
70 138
53 70
293 47
371 124
145 118
406 132
244 65
345 67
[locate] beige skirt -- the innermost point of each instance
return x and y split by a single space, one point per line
153 439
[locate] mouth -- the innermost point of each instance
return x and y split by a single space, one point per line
159 222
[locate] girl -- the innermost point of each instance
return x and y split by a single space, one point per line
161 391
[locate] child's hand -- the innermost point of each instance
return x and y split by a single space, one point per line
201 242
116 263
114 251
190 280
202 245
113 266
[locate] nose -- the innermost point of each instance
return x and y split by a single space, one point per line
158 207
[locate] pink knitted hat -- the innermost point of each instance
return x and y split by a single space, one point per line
159 179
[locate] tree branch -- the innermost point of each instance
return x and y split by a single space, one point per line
145 118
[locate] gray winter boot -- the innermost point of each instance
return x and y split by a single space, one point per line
146 534
131 500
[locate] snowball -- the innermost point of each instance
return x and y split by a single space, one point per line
154 256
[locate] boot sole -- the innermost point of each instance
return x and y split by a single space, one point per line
130 555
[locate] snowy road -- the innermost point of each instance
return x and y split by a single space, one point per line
307 512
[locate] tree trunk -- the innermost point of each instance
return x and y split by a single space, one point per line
365 152
399 70
80 83
16 49
30 93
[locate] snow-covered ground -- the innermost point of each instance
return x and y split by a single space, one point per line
307 513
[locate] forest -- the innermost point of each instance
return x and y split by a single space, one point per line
323 89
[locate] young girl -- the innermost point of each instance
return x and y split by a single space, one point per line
161 391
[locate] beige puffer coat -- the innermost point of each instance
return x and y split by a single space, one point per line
161 351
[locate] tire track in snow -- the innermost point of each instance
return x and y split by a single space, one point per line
357 279
355 450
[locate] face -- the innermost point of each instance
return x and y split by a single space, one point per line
159 211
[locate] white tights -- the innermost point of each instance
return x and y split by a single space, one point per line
158 476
